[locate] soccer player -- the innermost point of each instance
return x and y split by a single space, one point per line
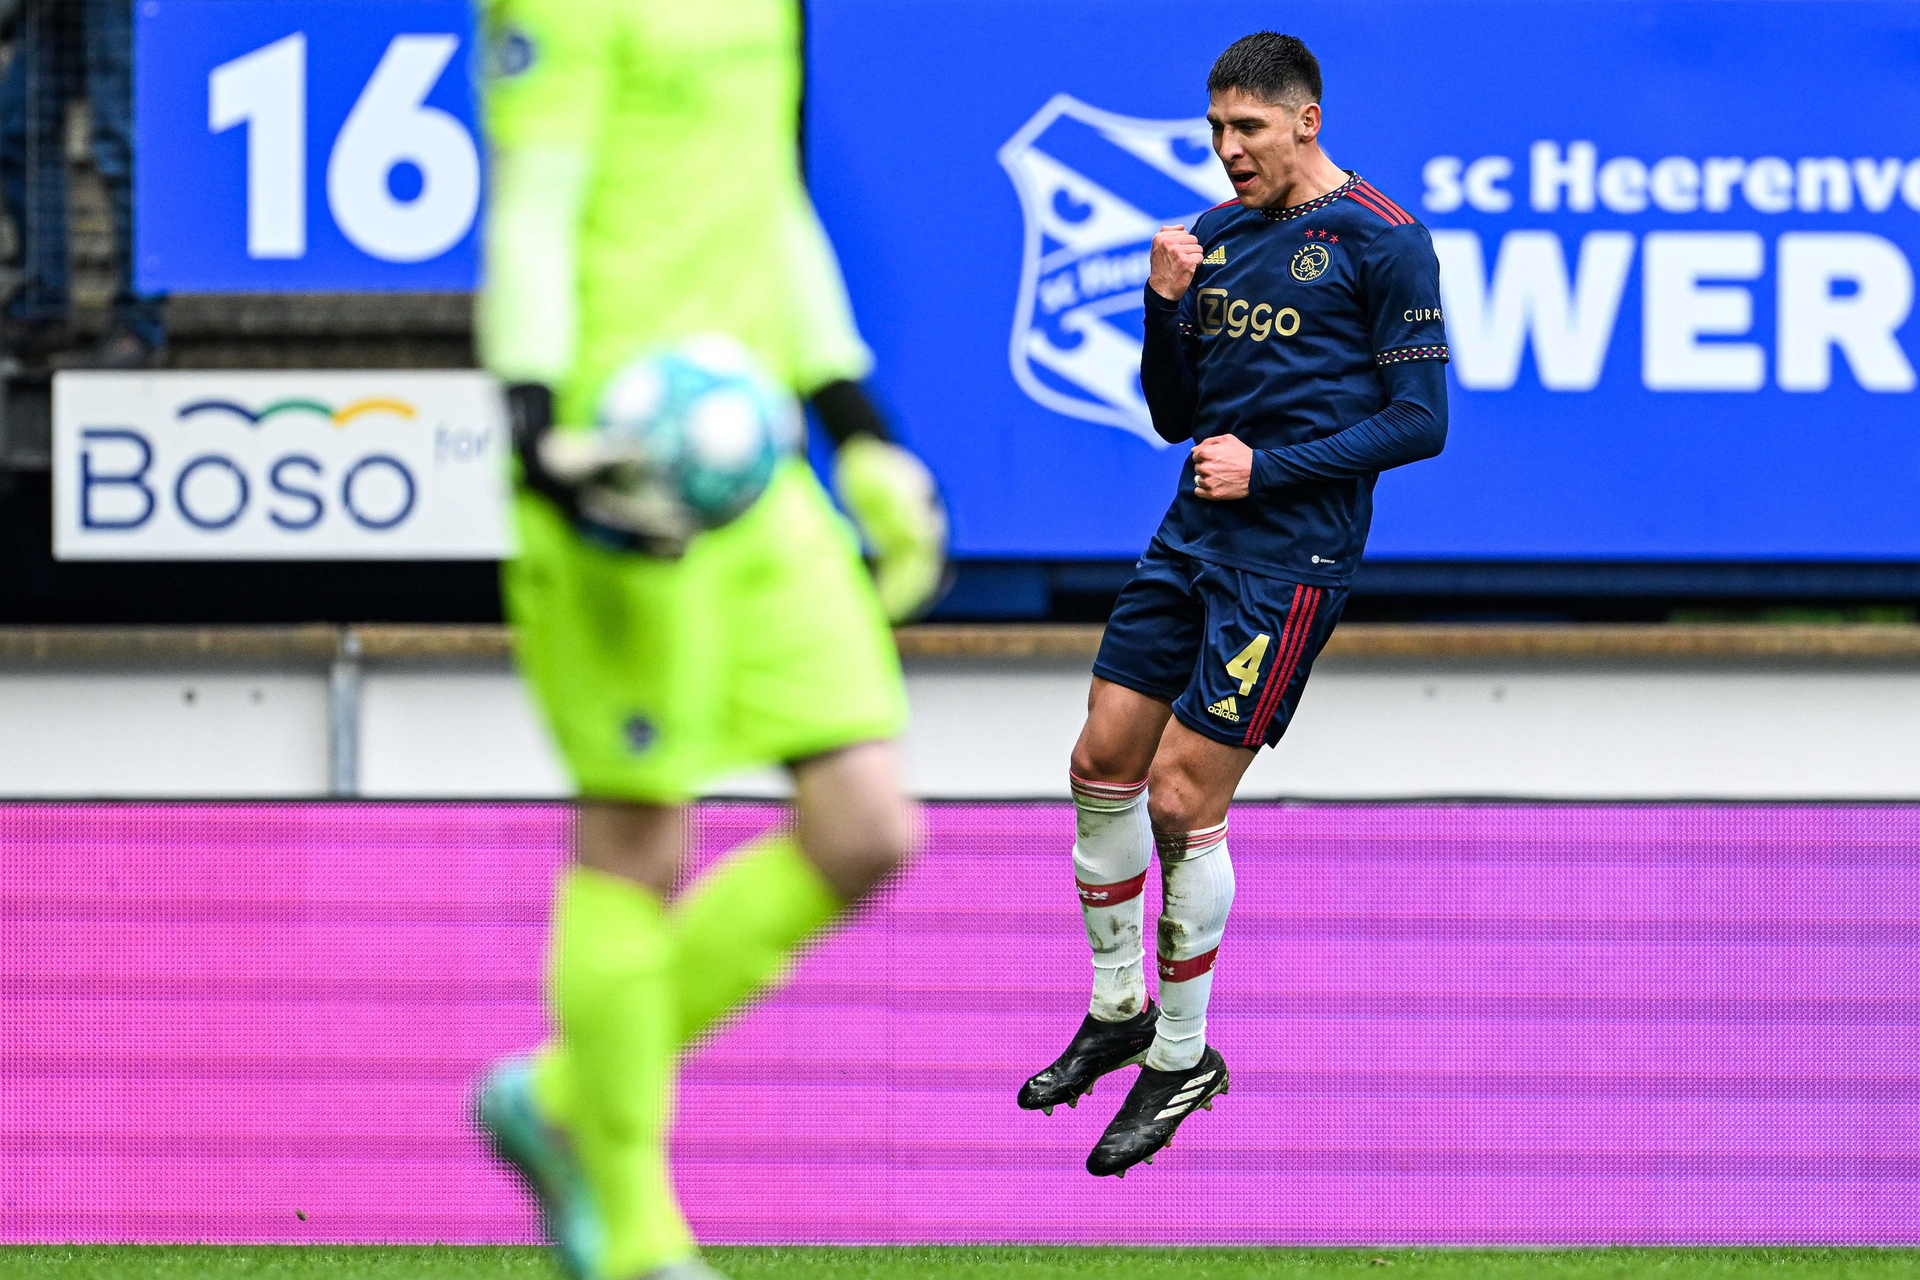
646 189
1295 335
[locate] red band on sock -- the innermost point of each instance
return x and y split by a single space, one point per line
1111 895
1107 790
1179 846
1187 970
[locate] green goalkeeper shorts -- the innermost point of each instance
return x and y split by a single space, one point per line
764 644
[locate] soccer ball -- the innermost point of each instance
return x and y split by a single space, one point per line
687 438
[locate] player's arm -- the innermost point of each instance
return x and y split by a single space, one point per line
888 491
891 496
1166 373
1401 280
546 102
1413 426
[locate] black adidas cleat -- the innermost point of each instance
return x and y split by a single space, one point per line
1097 1048
1155 1106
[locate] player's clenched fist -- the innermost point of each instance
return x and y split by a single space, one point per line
1222 468
1176 253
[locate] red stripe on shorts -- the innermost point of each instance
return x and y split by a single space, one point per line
1252 739
1285 665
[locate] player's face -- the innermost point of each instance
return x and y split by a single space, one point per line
1264 145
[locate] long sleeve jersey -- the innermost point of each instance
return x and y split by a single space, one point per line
645 188
1313 334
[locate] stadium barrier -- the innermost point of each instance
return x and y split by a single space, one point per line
1394 712
1469 1023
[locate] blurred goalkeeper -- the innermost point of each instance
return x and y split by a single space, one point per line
645 190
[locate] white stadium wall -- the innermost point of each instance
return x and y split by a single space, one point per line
1376 723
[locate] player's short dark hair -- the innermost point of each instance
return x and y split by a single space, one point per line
1272 67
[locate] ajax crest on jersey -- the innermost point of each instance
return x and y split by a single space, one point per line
1094 188
687 439
1311 261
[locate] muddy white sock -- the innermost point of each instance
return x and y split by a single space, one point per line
1113 843
1196 878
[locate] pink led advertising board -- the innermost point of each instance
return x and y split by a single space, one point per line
1446 1023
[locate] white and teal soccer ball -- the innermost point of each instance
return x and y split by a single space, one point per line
699 429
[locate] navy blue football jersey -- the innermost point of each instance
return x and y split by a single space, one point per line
1290 333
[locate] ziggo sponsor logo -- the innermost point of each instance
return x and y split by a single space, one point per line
1218 312
212 491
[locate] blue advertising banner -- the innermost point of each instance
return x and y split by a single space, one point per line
316 145
1676 242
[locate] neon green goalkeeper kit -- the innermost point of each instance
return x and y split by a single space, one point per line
645 188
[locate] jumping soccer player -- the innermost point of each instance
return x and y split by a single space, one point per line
646 189
1296 335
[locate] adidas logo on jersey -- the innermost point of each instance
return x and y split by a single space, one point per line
1226 709
1218 258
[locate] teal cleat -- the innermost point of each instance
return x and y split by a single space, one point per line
541 1153
691 1269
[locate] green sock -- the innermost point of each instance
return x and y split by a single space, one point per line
735 928
610 1079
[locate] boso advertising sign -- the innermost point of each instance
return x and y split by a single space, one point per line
313 145
1677 246
279 466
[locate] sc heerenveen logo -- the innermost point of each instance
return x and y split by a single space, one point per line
1094 187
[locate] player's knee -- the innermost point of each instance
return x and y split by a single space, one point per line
858 861
1099 761
880 858
1175 802
1088 763
639 842
890 849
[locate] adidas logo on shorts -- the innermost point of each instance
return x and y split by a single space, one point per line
1226 709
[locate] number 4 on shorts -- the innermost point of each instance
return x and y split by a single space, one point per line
1245 666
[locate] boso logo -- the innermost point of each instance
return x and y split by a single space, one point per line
1705 289
151 466
338 417
213 490
1094 187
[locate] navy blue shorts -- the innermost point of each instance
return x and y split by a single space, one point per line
1229 649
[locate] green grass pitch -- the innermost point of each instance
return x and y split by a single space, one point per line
991 1262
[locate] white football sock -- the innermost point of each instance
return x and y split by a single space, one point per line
1196 880
1112 847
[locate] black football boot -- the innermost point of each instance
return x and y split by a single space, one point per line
1097 1048
1155 1106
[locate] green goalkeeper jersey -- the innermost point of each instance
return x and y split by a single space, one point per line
646 187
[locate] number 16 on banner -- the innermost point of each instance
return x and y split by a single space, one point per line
305 146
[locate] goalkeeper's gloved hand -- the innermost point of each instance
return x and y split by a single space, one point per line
595 484
892 497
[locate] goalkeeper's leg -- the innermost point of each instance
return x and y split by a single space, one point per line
586 1119
604 1087
812 679
737 928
